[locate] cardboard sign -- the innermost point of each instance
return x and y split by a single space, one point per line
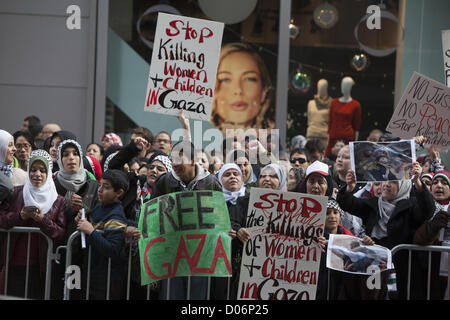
281 260
423 110
382 161
184 66
185 233
446 49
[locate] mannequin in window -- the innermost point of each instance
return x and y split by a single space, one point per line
318 109
344 119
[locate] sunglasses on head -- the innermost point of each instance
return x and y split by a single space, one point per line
301 160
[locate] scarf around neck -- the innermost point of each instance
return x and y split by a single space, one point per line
71 181
386 208
229 195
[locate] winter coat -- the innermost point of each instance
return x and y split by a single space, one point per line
53 225
407 217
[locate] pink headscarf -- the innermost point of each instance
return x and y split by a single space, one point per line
114 138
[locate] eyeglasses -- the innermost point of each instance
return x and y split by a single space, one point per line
301 160
26 146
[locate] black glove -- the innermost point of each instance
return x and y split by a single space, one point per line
439 221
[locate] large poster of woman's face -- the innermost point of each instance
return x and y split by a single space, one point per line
382 161
244 91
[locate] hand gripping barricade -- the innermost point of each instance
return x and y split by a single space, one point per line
429 249
49 258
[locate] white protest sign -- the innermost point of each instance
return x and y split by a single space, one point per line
446 49
184 66
281 260
423 110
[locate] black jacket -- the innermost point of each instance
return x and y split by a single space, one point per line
203 180
407 217
128 200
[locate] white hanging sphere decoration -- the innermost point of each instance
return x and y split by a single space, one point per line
300 81
359 62
326 15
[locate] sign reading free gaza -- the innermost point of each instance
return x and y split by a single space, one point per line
185 233
183 67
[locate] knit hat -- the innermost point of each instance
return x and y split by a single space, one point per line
428 175
443 174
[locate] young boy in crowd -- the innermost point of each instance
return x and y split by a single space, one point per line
107 216
342 285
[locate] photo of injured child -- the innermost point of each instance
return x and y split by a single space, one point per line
382 161
349 254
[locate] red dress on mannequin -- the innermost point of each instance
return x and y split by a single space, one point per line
343 120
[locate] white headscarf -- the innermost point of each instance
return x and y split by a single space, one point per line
279 171
42 197
386 208
6 169
71 181
231 196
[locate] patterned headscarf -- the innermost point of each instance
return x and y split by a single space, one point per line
114 138
165 161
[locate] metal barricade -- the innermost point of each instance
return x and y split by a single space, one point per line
50 257
429 249
68 248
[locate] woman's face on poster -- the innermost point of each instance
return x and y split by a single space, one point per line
240 92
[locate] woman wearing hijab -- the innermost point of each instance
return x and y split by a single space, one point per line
17 176
158 165
273 176
241 158
392 218
73 183
434 232
36 204
319 182
236 197
55 140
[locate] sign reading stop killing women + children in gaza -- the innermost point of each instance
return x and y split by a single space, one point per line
184 66
281 260
423 110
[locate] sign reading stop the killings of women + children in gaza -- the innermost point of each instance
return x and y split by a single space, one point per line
185 234
184 66
423 110
281 260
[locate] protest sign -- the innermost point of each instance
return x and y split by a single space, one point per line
446 49
349 254
185 233
183 66
281 260
382 161
423 110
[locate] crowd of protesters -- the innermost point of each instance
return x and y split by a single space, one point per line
48 178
